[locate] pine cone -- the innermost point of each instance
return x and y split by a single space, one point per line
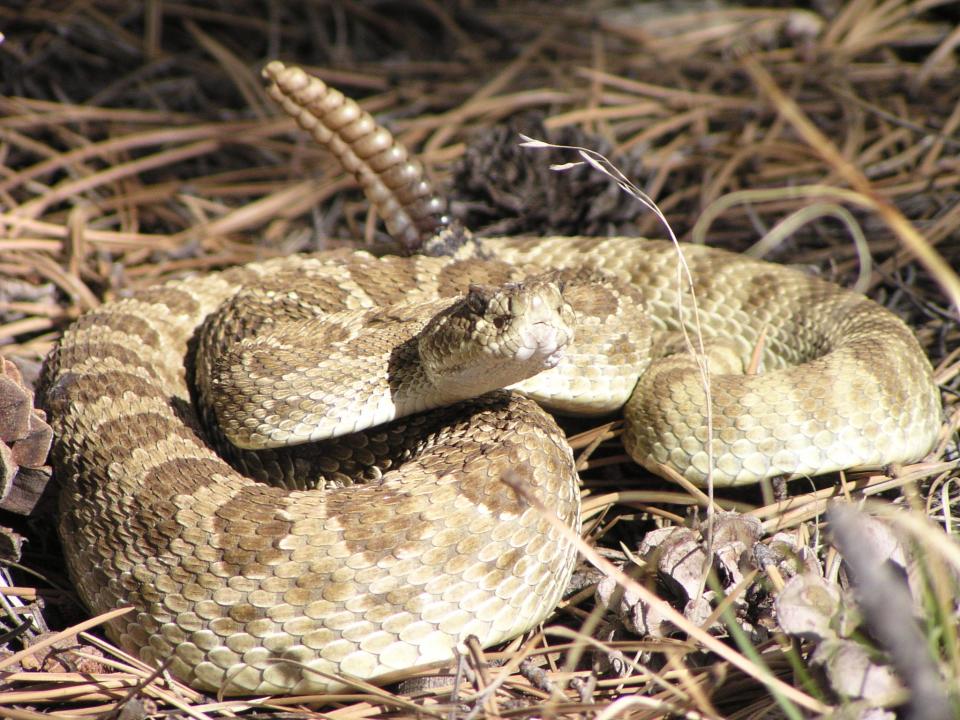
24 443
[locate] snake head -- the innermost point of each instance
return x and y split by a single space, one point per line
495 336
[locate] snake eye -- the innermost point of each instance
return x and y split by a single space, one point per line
477 299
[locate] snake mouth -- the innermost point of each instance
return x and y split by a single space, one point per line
543 342
543 324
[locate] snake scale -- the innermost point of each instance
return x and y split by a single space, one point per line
247 586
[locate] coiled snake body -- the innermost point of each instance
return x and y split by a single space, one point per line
250 587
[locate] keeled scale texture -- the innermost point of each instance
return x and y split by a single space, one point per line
843 383
230 577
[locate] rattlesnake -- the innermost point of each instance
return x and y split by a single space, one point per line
249 587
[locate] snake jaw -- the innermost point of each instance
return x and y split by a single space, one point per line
547 323
543 340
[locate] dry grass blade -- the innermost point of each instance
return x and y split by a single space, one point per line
684 282
937 266
762 674
69 632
